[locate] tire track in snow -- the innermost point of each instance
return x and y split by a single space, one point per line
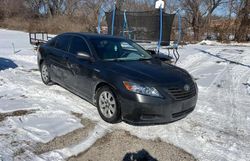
226 99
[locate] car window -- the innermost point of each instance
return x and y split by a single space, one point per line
110 49
62 42
127 46
78 45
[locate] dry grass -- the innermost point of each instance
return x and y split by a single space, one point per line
14 23
53 25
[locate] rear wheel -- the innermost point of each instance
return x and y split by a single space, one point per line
108 106
45 74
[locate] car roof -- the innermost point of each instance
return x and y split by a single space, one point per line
92 35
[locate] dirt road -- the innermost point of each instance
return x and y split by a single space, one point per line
121 146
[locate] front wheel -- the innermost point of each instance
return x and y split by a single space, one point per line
45 74
108 106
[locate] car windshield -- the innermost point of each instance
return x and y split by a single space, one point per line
115 49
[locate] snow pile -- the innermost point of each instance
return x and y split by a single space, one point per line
99 131
44 126
209 42
41 126
240 44
216 43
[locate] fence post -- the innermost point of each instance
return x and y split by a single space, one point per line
14 49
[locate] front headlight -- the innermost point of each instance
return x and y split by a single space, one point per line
141 89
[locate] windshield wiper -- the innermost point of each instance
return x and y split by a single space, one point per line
124 60
143 59
115 60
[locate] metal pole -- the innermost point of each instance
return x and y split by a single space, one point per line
124 22
160 40
113 20
179 26
99 21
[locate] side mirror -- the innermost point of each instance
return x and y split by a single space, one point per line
83 55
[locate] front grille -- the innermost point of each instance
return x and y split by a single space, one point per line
180 94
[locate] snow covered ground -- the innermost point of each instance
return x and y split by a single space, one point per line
32 113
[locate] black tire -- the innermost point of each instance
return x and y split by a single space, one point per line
115 115
45 75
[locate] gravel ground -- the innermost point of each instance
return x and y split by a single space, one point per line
121 146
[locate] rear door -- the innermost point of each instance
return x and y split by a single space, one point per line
81 69
58 57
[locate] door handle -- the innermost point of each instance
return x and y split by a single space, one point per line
72 66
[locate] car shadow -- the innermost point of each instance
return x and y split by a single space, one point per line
7 64
224 59
141 155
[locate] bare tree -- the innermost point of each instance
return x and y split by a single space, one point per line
72 6
9 8
172 5
55 7
90 11
198 13
193 15
133 5
50 7
34 5
2 10
244 21
120 4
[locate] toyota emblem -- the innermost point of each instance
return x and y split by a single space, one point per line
187 88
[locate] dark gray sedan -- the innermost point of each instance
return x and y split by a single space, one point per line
123 80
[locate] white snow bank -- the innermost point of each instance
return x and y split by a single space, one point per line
43 126
216 43
60 154
209 42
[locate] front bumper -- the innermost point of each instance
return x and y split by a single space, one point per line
146 110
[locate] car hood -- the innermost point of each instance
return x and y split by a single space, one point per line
149 71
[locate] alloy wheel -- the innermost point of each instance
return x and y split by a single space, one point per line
45 73
107 104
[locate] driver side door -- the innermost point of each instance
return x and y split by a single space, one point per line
80 69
